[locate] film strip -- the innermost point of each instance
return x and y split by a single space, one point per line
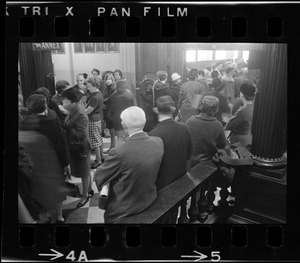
213 23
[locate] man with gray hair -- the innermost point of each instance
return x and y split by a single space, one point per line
131 169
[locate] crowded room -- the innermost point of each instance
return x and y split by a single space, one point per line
144 133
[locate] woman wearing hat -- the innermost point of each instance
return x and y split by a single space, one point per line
76 123
207 133
240 123
175 86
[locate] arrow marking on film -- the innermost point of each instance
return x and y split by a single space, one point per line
199 257
56 255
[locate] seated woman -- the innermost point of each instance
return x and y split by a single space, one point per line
207 132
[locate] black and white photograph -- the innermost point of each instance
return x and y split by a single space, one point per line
158 132
198 116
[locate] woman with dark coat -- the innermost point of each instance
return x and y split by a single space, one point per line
76 123
110 88
119 101
48 125
207 133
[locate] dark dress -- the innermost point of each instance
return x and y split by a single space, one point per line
107 102
77 130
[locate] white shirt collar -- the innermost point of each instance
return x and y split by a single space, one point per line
134 133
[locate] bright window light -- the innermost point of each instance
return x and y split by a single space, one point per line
190 55
245 55
220 54
204 55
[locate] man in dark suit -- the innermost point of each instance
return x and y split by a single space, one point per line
177 143
131 169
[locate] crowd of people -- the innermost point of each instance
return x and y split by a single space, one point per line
57 135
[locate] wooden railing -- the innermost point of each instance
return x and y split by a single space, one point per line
173 197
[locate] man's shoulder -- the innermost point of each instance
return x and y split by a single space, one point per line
167 128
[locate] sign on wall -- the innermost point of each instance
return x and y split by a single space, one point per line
47 46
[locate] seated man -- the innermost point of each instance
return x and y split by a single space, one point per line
240 123
177 143
131 169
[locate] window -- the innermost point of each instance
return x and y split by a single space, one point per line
220 54
101 47
204 55
190 55
245 55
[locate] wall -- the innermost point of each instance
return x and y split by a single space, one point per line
68 65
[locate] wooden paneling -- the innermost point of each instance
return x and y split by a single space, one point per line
260 198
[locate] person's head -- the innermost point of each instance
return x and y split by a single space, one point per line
122 85
214 74
247 91
133 119
109 79
92 84
193 74
176 78
165 105
209 105
43 91
85 75
61 85
69 98
217 84
201 73
36 103
230 71
80 79
96 72
118 74
219 66
162 75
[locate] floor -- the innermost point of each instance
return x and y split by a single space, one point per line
90 213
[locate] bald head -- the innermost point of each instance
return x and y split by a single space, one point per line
133 118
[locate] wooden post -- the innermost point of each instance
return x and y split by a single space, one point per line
183 219
193 211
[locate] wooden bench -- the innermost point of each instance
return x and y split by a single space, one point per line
174 195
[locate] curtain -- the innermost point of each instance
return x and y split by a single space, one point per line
127 61
153 57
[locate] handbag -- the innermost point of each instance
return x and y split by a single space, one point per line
104 197
76 150
72 189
